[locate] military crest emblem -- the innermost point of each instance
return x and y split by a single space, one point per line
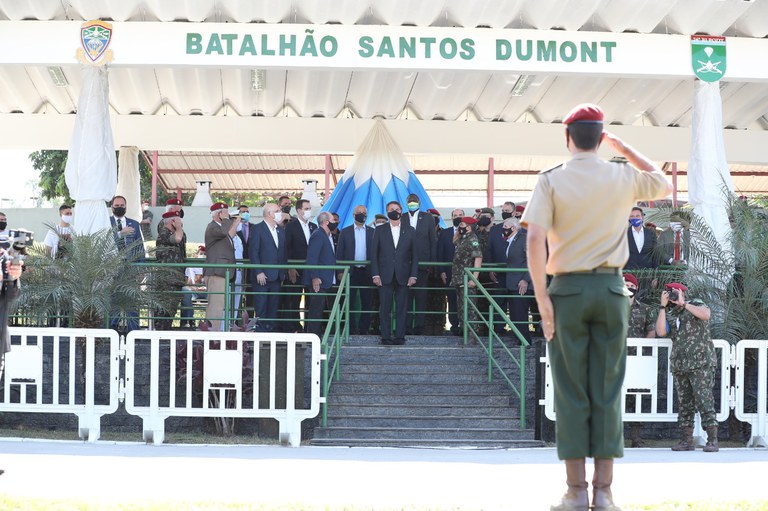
708 57
95 37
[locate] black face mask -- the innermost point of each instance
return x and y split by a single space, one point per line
456 221
181 213
507 232
462 230
393 215
631 292
3 225
506 214
118 211
360 218
332 226
483 221
286 209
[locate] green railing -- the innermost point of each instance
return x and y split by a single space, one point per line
494 314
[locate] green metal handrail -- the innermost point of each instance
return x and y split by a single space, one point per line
331 347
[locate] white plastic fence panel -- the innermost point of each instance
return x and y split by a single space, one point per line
758 418
41 357
642 378
200 374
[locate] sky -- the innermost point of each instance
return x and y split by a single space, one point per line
19 179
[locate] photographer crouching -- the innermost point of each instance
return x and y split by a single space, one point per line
692 362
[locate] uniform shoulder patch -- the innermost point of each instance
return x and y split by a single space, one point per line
475 243
551 169
698 302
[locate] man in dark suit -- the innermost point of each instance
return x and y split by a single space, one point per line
244 233
496 253
219 250
297 234
517 283
642 242
445 252
426 248
355 245
266 245
319 281
127 233
394 266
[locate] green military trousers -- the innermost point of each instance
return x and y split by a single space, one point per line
588 358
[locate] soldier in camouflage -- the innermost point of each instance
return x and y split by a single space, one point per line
642 324
468 254
692 362
171 248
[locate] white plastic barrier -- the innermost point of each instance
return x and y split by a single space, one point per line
41 357
642 381
201 375
759 417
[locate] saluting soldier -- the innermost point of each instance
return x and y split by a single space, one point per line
171 247
468 254
692 362
586 307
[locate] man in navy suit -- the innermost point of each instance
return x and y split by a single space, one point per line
445 251
319 281
266 245
355 245
517 283
127 232
642 242
426 247
297 234
394 265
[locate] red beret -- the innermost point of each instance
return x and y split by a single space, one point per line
628 277
586 112
434 211
469 220
219 205
676 285
201 248
174 202
520 208
170 214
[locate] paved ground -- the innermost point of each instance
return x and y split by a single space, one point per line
520 479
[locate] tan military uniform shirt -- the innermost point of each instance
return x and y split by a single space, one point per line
583 205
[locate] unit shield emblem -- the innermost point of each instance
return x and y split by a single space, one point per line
708 57
95 37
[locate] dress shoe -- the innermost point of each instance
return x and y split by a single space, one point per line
399 341
387 342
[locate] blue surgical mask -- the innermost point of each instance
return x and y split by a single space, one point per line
636 222
245 217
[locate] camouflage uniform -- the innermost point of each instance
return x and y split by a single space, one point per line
467 249
641 320
693 366
168 251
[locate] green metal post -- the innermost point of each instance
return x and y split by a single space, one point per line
490 343
522 386
465 307
226 301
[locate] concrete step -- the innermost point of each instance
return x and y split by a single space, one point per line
420 389
423 410
426 377
341 397
395 367
432 422
428 433
476 443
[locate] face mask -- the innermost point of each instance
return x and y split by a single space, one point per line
631 292
360 218
506 214
246 217
393 215
483 221
636 222
67 219
278 216
286 209
144 207
307 214
413 206
332 226
181 213
507 232
462 230
676 226
3 225
456 221
380 223
118 211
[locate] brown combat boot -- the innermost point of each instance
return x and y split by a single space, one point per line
576 497
686 442
711 440
602 498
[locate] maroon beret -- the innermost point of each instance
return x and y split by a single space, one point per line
586 112
219 205
520 208
676 285
170 214
174 202
201 248
469 220
628 277
434 211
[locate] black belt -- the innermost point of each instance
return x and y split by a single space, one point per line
606 270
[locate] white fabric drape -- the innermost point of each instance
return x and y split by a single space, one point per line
91 171
128 181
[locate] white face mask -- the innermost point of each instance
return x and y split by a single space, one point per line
67 219
278 216
676 226
307 214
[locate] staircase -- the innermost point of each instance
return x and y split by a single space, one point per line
431 392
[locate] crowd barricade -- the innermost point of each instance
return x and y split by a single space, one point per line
754 377
217 374
648 384
52 370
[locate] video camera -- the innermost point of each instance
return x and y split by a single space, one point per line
13 247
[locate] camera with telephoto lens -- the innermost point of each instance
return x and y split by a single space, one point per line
674 295
13 247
